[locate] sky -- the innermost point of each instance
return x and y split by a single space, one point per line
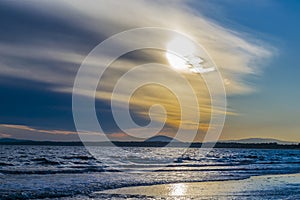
254 45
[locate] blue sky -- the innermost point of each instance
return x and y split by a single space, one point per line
272 111
42 45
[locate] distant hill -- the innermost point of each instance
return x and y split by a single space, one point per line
258 141
12 140
161 138
162 141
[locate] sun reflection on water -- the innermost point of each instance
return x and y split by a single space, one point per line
178 189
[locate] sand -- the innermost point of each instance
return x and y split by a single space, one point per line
257 187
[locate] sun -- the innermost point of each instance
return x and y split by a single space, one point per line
182 56
176 61
178 50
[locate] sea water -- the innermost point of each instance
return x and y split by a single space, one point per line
65 171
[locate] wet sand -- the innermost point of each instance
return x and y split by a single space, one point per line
257 187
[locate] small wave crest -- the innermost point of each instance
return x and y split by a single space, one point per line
45 161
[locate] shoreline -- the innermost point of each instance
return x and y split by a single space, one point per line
197 146
217 145
257 187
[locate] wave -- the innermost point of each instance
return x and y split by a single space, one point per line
64 171
79 157
82 169
45 161
87 192
39 195
5 164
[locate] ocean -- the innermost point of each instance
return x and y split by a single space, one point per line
33 172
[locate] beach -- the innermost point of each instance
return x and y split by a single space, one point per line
59 172
256 187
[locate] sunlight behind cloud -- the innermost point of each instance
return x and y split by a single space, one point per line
182 45
236 55
176 62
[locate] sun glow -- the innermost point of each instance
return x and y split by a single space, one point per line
178 189
181 55
177 51
176 61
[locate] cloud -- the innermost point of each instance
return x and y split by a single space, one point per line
234 53
27 128
55 55
5 135
33 133
27 132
